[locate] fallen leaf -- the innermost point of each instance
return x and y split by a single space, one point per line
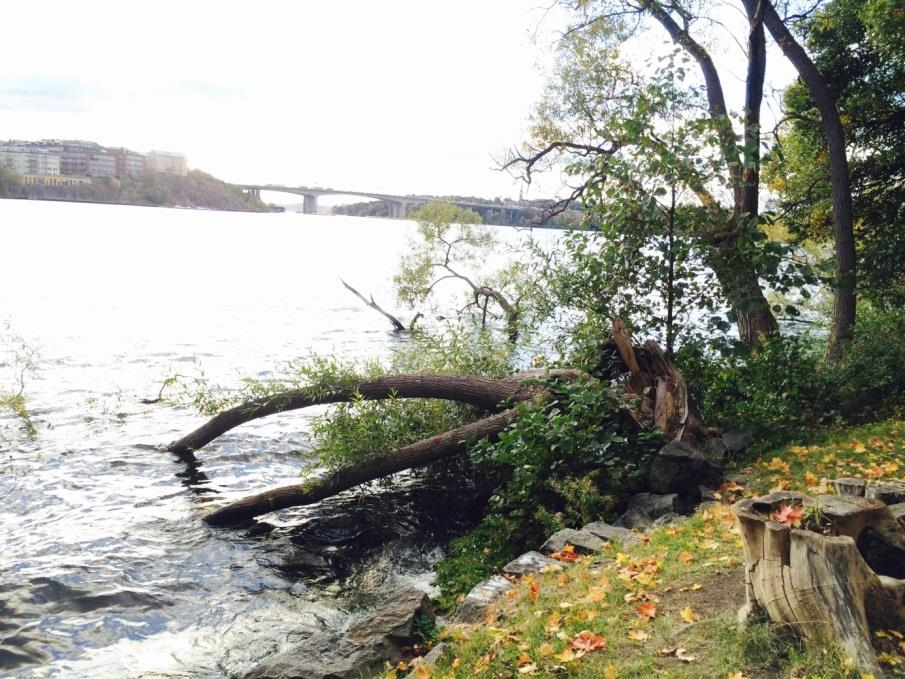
423 671
682 655
588 641
609 672
646 610
689 615
638 635
530 668
534 590
686 557
545 649
566 655
736 675
553 622
788 514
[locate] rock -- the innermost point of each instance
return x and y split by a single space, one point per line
679 468
396 619
892 492
849 486
656 505
529 562
634 518
717 447
709 494
583 542
325 655
737 442
611 533
436 655
479 599
737 477
668 519
375 639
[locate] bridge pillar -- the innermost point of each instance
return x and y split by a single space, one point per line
309 207
397 209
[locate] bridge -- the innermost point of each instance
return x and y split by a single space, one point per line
398 205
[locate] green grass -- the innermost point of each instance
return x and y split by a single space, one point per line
692 573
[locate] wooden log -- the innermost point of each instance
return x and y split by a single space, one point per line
816 579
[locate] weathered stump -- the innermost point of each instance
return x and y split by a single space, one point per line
838 577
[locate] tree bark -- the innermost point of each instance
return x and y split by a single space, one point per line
840 181
484 392
829 584
417 454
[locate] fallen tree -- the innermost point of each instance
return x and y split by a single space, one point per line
656 396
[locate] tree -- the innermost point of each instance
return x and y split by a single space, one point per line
10 183
453 245
864 67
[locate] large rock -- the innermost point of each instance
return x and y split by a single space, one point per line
529 562
582 541
605 531
636 519
480 598
326 656
396 619
656 505
679 468
375 639
737 442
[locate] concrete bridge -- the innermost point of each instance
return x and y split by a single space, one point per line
398 205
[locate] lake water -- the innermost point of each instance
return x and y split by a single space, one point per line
106 568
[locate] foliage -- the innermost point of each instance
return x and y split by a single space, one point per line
569 460
857 47
19 360
10 183
197 189
781 389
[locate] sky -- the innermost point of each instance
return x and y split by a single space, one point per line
398 96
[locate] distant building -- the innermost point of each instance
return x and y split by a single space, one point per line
127 162
166 162
54 180
26 160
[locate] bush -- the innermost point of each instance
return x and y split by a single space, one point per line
782 389
569 460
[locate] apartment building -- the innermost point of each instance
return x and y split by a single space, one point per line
25 160
166 162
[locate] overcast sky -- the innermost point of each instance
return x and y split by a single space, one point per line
398 96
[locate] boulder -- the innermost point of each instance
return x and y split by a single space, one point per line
847 486
679 468
898 510
325 655
480 598
375 639
396 620
892 492
529 562
656 505
583 542
605 531
436 655
634 518
668 519
737 442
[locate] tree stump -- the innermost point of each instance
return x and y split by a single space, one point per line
838 577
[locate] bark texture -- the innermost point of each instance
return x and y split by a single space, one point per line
822 583
417 454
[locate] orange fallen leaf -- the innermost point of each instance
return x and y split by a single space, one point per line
588 641
686 557
646 610
788 514
534 590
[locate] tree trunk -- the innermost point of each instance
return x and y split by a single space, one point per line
417 454
483 392
740 283
843 213
834 584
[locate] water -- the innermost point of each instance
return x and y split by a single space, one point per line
106 568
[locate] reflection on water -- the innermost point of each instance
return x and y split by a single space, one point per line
106 568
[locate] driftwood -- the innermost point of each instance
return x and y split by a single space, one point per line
839 578
661 400
395 322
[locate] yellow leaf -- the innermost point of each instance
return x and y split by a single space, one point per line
545 649
553 622
609 672
456 663
423 671
696 586
689 615
686 557
638 635
567 655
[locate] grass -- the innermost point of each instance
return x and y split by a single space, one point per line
667 607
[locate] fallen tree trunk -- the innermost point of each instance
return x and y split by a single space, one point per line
838 579
417 454
484 392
